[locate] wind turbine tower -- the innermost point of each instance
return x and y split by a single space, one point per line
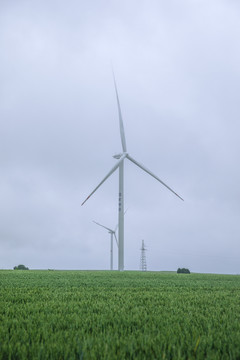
143 261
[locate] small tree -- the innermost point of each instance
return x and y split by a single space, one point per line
183 271
20 267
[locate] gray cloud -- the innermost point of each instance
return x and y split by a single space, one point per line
177 69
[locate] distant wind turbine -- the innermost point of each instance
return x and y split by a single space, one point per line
112 233
120 164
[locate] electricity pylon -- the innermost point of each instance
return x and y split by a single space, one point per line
143 262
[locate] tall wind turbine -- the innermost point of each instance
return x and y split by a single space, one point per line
112 233
120 164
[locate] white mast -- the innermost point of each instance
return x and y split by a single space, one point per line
121 219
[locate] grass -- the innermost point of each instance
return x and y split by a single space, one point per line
112 315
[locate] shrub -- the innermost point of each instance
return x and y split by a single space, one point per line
183 271
20 267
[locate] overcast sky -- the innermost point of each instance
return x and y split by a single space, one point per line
177 66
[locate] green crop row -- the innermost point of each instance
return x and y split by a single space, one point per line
112 315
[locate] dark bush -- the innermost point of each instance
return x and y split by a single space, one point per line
20 267
183 271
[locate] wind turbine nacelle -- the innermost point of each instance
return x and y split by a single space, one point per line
117 156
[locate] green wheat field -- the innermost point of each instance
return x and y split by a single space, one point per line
118 315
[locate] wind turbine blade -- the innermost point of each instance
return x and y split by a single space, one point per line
122 133
150 173
107 176
117 224
103 226
115 238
